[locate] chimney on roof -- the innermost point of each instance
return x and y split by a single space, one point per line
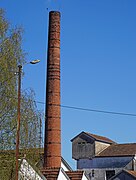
52 144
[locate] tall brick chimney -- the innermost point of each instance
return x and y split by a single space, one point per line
52 146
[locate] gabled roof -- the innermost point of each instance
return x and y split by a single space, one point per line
119 150
34 156
95 137
75 175
30 169
51 173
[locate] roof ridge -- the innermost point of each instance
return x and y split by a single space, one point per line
96 137
99 137
96 134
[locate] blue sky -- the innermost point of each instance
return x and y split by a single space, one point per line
98 62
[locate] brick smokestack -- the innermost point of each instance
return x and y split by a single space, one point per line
52 146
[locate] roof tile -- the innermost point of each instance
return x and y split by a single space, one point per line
100 138
119 150
75 175
96 137
51 173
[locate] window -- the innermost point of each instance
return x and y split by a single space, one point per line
81 143
109 174
93 173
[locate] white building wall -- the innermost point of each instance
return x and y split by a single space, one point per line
64 167
27 172
62 175
84 177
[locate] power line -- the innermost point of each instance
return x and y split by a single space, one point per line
99 111
90 110
93 110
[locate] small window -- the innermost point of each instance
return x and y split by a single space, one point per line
93 173
81 143
109 174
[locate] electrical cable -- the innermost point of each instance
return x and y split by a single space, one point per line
88 109
93 110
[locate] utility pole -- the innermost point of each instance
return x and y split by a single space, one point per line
40 138
18 112
18 119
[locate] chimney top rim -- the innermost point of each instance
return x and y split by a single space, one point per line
54 12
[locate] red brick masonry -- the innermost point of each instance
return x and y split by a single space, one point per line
52 148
